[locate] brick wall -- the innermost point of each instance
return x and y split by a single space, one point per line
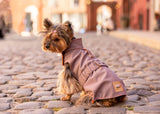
138 17
44 10
18 13
5 11
138 12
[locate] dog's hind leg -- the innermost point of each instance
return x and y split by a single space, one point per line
84 100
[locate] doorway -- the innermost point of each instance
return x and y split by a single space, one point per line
95 13
140 21
104 13
31 19
28 22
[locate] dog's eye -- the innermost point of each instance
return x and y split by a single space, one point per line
56 40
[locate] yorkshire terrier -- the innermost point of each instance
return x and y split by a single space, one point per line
82 72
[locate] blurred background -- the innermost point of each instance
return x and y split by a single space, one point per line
26 16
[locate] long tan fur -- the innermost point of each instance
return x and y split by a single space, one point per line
67 83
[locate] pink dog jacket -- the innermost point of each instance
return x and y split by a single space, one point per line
95 76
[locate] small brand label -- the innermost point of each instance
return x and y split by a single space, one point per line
117 86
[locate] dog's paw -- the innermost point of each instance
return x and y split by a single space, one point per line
82 93
66 98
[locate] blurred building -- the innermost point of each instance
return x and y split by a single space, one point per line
130 14
5 12
98 11
138 14
28 15
62 10
84 14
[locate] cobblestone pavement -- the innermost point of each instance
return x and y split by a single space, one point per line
28 76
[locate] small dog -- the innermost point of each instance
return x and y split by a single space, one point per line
82 71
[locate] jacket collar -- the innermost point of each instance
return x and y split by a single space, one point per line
75 44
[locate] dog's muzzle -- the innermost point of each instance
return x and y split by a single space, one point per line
47 46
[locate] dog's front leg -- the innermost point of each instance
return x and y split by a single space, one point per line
68 85
67 97
83 93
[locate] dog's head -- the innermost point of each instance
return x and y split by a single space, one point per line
57 38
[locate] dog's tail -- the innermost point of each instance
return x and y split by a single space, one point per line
67 83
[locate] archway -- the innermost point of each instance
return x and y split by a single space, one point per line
92 12
103 12
30 20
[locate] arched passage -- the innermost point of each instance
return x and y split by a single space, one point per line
103 12
92 13
30 21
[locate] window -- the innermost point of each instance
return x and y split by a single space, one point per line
52 3
74 3
57 18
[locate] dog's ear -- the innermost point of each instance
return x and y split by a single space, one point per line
47 27
47 24
69 29
68 24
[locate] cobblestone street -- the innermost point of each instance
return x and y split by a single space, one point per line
28 76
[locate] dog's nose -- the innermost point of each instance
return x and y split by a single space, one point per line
47 46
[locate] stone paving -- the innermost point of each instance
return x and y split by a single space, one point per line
28 76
